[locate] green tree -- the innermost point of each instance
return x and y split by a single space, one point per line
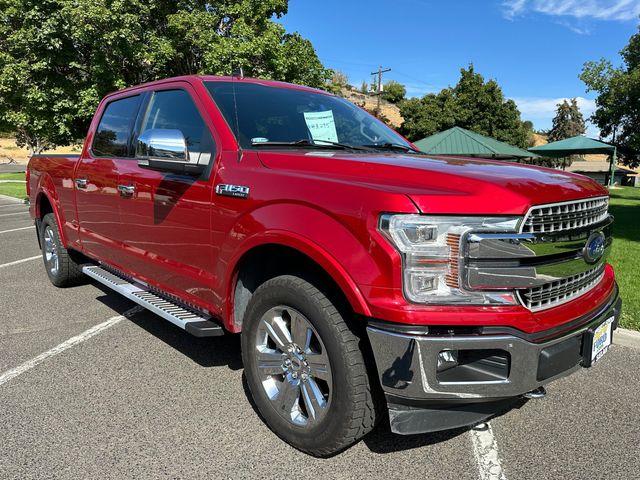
59 57
364 87
567 123
393 91
528 126
473 103
374 83
338 82
617 112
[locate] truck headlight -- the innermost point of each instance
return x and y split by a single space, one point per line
431 256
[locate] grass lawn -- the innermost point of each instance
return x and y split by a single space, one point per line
625 253
12 176
17 190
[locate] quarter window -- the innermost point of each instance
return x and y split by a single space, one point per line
114 130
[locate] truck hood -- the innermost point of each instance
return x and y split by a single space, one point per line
443 185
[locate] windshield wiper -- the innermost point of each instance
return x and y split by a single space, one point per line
308 144
393 146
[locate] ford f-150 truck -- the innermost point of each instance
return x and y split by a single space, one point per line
364 277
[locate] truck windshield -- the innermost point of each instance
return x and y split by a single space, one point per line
286 117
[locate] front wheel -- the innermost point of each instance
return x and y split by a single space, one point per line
304 368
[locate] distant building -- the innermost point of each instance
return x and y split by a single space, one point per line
598 169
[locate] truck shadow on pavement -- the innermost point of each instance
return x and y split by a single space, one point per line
206 352
382 440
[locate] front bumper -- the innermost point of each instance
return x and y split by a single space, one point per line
407 365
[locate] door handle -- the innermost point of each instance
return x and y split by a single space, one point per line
126 190
82 182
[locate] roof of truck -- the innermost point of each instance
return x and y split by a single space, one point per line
214 78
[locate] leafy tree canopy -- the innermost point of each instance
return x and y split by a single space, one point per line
59 57
617 112
393 91
472 104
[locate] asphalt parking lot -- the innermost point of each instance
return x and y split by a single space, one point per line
132 396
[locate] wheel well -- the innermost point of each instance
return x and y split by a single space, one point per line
44 206
268 261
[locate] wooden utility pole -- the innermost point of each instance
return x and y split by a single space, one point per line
379 92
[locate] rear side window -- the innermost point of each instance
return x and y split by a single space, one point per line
114 130
175 110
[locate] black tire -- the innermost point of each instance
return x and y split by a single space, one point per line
66 271
350 413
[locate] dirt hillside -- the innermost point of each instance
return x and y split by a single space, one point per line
389 110
10 153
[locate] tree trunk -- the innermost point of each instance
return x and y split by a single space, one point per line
35 146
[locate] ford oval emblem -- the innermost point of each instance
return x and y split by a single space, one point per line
594 248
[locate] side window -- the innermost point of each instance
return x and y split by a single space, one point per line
114 130
175 110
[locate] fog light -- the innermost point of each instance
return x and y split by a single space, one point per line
421 283
447 359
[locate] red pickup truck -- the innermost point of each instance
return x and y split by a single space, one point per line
357 270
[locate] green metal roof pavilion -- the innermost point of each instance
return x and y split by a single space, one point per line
573 146
462 142
579 145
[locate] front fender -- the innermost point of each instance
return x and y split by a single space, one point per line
341 252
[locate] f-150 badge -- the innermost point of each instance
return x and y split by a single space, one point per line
232 190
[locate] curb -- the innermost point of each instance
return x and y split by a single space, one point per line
627 338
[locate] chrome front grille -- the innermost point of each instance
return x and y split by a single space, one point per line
564 216
561 291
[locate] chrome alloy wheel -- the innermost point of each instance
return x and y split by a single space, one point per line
50 251
293 366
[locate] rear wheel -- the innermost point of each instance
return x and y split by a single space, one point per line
62 268
304 368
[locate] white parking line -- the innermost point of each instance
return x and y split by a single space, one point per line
17 229
10 214
485 449
20 261
29 364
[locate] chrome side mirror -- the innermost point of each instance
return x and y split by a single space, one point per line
165 150
162 144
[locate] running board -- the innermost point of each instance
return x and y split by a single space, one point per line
194 322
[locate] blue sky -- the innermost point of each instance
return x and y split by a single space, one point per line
535 49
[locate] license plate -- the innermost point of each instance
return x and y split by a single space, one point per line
601 340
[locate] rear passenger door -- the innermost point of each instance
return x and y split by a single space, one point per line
166 227
96 177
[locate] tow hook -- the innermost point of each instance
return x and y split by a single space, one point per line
539 392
